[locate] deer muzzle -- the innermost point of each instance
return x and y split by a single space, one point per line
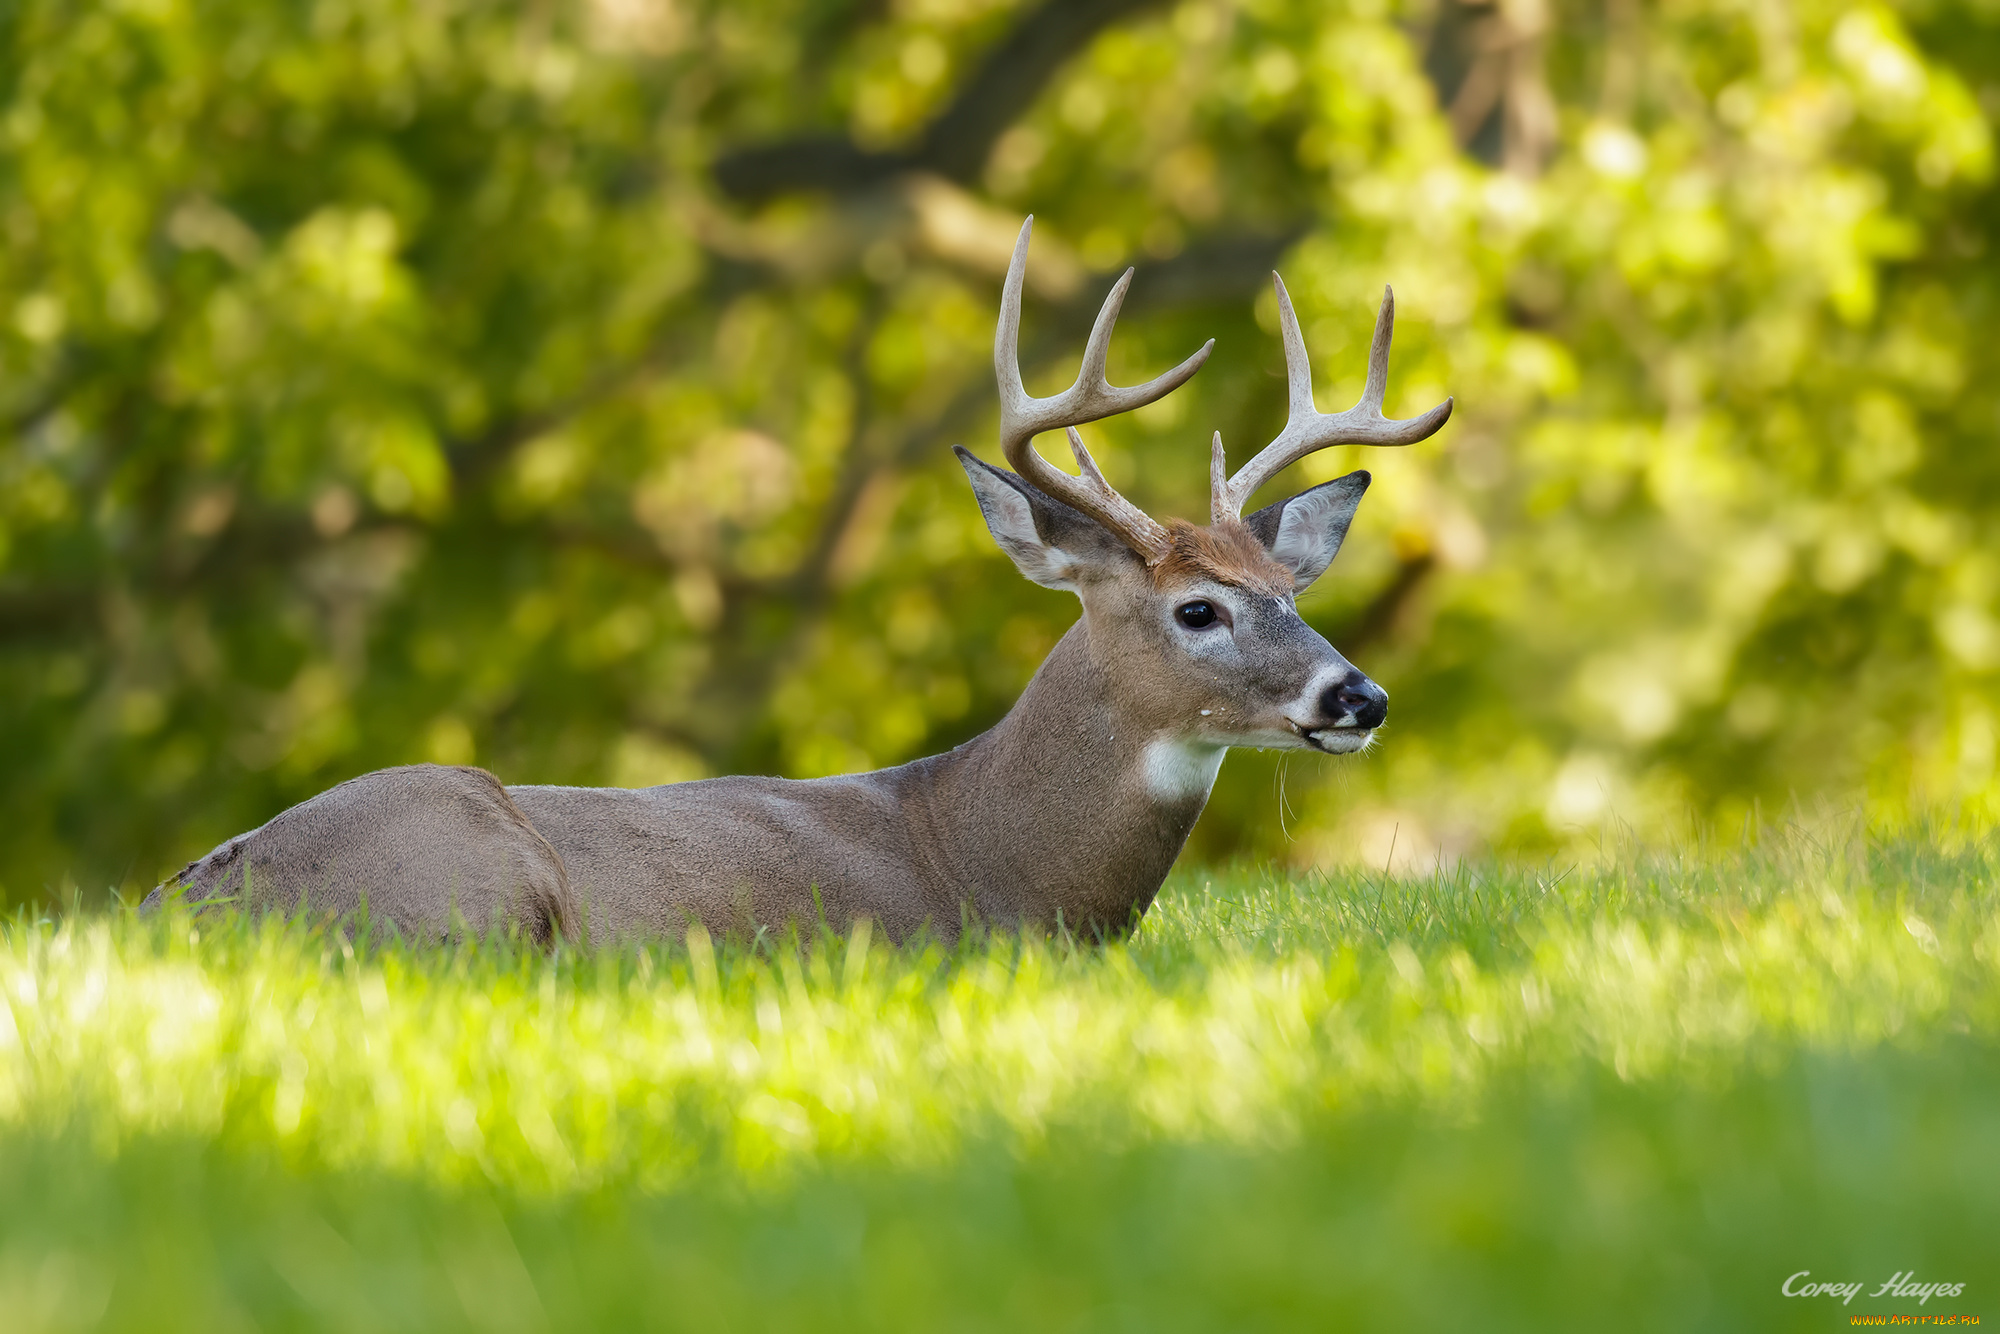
1355 701
1347 710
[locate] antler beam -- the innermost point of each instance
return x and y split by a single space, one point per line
1090 398
1308 430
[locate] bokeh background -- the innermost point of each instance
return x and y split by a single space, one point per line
566 386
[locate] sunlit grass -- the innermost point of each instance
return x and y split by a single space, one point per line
1257 1030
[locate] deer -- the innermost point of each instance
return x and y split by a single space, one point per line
1066 815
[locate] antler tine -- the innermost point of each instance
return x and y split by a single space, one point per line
1218 482
1085 464
1097 351
1308 430
1007 333
1091 397
1298 366
1377 386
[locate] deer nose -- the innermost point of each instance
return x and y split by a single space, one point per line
1358 698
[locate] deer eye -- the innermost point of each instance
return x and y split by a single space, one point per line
1195 615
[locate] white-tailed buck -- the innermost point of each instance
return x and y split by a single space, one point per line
1070 811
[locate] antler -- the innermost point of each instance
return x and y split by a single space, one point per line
1307 430
1022 416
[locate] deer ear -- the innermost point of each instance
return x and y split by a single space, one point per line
1304 533
1048 541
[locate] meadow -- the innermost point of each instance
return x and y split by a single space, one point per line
1638 1096
566 387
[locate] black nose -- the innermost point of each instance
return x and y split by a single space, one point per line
1356 697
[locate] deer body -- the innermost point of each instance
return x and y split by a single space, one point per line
1070 811
1050 816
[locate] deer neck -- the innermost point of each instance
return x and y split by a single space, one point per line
1072 807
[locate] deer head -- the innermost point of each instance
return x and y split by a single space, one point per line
1194 628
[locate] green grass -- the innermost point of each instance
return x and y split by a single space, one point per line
1637 1097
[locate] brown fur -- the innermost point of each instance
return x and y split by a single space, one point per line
1043 819
1068 812
430 847
1227 552
1052 817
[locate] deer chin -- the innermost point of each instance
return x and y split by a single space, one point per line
1338 740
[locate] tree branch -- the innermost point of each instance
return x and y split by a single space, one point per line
471 459
1213 270
955 145
1378 620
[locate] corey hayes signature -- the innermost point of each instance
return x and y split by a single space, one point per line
1900 1284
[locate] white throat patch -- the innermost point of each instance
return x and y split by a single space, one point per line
1177 768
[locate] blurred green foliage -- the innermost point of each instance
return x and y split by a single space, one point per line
565 387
